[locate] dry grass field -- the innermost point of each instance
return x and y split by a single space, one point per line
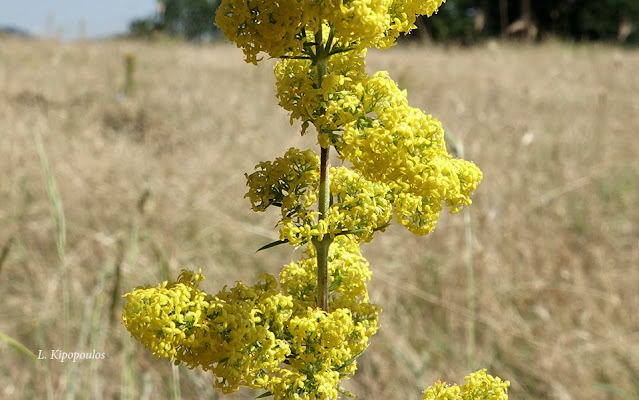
150 183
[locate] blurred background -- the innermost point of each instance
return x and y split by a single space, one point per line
126 129
459 21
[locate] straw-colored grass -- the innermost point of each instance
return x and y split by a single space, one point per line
153 183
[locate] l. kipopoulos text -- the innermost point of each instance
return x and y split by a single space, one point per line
62 356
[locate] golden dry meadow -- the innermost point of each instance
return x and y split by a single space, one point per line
101 191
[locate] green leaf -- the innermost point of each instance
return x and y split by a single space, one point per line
352 360
296 57
272 244
17 345
345 392
264 395
358 231
337 280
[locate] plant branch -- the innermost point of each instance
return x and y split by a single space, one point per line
323 245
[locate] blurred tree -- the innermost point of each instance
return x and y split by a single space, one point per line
191 19
457 20
604 19
143 27
465 21
572 19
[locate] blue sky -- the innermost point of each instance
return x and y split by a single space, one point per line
51 17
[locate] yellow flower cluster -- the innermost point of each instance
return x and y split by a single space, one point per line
479 386
348 276
260 336
330 106
281 28
376 23
370 123
365 198
272 27
289 182
167 317
394 143
273 336
361 208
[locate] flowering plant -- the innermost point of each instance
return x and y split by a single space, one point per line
299 338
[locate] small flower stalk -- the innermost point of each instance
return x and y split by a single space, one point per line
298 336
129 74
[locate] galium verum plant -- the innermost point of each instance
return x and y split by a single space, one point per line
297 338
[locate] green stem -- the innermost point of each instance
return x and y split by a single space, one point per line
324 188
322 246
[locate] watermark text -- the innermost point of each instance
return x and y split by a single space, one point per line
62 356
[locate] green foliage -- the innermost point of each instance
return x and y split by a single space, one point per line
576 20
586 19
191 19
602 19
143 27
454 22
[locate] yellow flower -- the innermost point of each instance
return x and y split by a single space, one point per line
167 316
348 277
265 26
260 336
404 148
289 183
414 186
479 386
369 121
329 106
283 27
